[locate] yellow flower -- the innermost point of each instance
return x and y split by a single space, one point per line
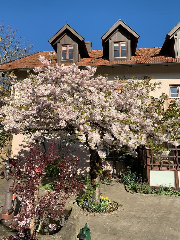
104 198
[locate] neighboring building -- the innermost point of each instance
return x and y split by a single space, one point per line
119 57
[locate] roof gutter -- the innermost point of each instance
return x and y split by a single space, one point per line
99 66
137 64
16 69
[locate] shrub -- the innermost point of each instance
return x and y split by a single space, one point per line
52 169
166 191
35 208
131 180
135 184
86 201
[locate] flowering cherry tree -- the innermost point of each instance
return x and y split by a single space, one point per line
99 113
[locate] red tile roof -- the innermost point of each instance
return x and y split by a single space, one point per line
30 61
143 55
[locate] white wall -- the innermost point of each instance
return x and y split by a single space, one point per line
162 178
167 74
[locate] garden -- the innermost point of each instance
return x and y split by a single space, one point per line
64 102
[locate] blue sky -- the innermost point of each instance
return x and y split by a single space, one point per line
39 20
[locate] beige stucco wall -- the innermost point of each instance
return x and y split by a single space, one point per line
165 86
17 144
166 74
19 150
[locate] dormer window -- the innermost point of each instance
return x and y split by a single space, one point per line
69 45
67 52
171 45
120 49
119 42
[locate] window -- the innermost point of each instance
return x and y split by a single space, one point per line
120 49
174 91
67 52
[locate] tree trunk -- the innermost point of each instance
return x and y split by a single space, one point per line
95 172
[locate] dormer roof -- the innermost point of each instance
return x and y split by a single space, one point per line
119 33
115 26
67 36
170 45
66 27
174 30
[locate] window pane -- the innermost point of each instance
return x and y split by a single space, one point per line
174 90
70 48
64 51
174 94
116 53
63 55
123 46
70 55
123 53
116 46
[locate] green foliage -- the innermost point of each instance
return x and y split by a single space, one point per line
48 186
99 206
52 169
144 188
3 136
135 184
131 180
88 194
165 191
86 201
91 205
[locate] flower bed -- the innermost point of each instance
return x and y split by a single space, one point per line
105 205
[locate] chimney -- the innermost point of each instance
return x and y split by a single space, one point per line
88 46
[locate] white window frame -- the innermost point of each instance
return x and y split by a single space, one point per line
178 91
119 43
67 46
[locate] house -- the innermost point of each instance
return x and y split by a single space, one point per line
119 57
